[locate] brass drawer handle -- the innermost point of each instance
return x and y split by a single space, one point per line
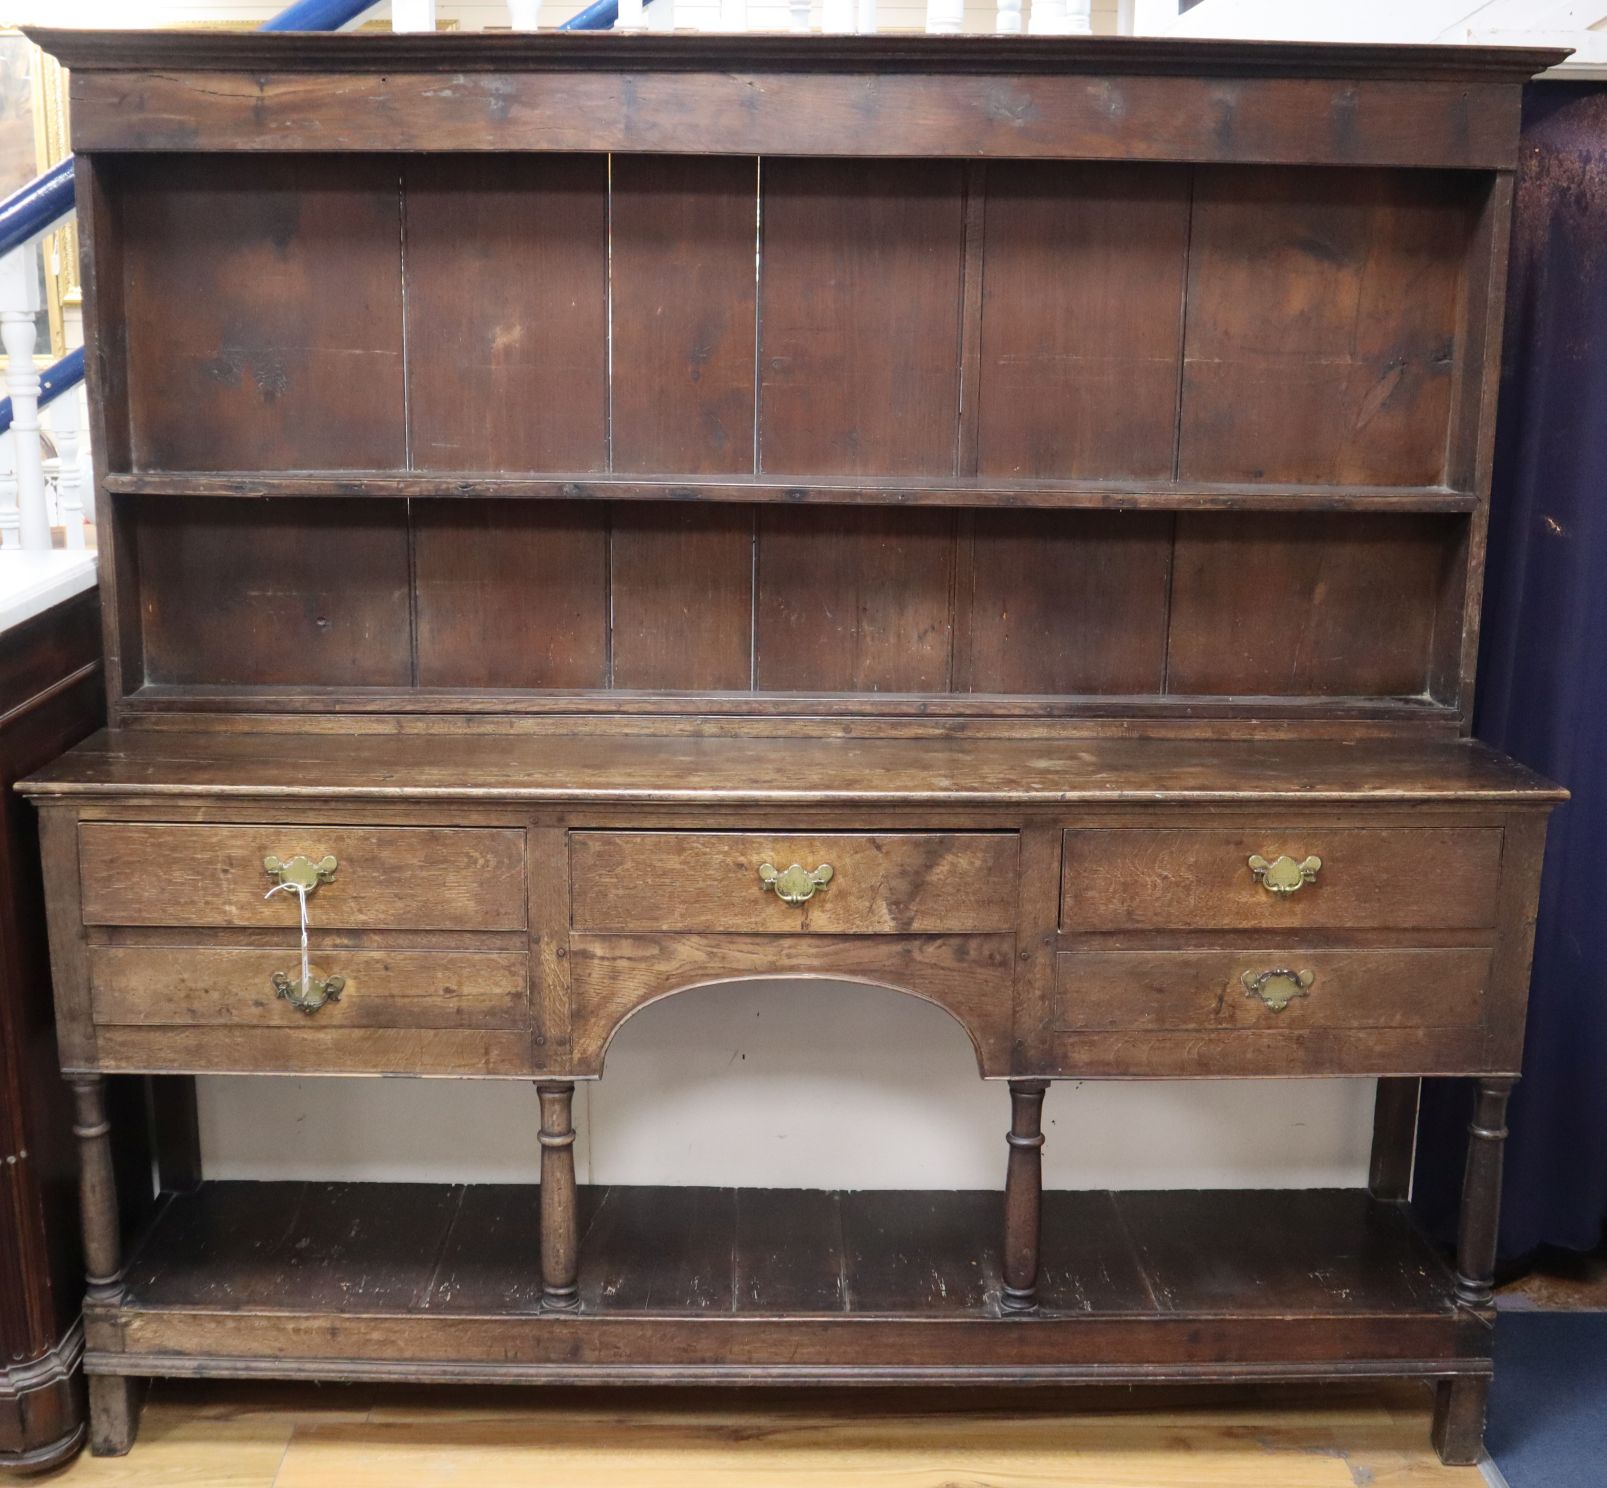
308 994
300 871
1277 987
797 884
1283 875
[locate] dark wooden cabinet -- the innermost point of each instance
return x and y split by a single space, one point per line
587 517
51 696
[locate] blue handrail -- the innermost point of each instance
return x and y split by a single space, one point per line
598 16
36 207
317 15
53 382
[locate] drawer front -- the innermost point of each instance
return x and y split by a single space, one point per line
1274 991
1382 878
386 878
234 987
879 883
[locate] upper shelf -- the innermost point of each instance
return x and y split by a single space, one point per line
798 491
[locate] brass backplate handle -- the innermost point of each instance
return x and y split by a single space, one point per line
313 996
797 884
1277 987
300 870
1282 875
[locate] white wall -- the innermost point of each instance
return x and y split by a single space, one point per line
794 1083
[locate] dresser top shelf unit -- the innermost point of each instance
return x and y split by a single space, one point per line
1029 384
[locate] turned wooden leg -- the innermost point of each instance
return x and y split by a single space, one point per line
1481 1194
560 1291
1394 1139
113 1400
1023 1195
1459 1403
1459 1419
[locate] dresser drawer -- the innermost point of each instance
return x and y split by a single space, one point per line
397 1012
1383 878
1278 990
385 878
200 986
877 884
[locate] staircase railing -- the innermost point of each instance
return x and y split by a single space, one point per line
28 214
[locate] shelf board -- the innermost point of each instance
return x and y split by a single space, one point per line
159 697
355 1280
800 490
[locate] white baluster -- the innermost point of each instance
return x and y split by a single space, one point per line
1008 22
64 424
733 15
661 15
631 16
10 518
798 15
837 16
19 304
1079 17
412 15
1048 18
944 16
865 23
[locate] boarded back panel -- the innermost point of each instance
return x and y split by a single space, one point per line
274 593
264 313
1067 602
1322 311
507 291
1336 605
860 308
1082 319
682 243
854 599
682 590
511 593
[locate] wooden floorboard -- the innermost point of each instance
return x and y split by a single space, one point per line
282 1436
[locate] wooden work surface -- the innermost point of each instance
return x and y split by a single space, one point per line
720 770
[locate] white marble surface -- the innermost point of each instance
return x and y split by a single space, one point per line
30 583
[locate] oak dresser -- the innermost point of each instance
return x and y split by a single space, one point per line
590 516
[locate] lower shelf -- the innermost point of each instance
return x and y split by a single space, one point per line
429 1282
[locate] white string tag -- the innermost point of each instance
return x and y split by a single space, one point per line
300 891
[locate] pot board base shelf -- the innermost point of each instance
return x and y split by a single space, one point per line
443 1282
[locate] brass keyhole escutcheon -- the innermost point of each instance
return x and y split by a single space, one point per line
300 870
797 884
1282 875
1277 987
313 996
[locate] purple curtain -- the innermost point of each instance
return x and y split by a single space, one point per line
1543 677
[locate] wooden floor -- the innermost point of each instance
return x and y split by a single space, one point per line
306 1436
